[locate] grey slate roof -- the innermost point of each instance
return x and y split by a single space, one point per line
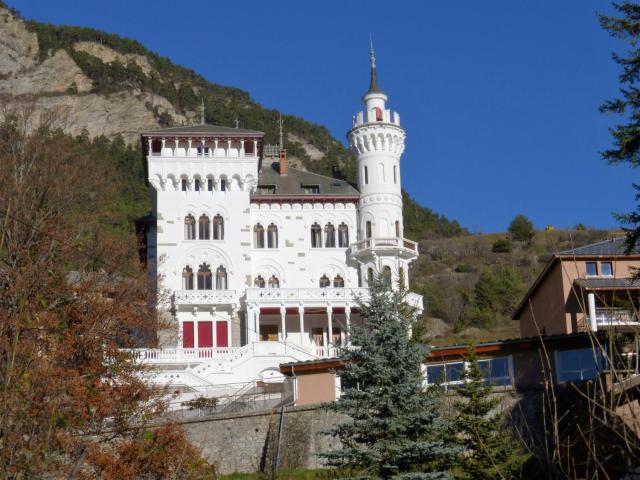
614 246
203 129
293 181
608 283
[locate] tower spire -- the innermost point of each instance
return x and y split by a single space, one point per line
373 86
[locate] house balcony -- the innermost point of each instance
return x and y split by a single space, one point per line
399 246
616 317
205 297
307 296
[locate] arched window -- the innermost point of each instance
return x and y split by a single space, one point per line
223 184
196 185
210 184
272 236
381 178
330 236
218 227
274 282
398 228
395 174
258 236
183 184
221 278
204 277
367 230
187 278
378 113
386 275
338 282
259 282
369 276
366 175
324 281
189 227
316 236
203 227
343 235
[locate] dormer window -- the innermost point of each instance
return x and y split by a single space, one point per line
311 189
267 189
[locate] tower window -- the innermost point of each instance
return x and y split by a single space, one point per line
221 278
316 236
259 282
381 173
395 174
378 113
183 184
325 282
258 236
210 184
204 277
366 176
196 185
223 185
386 275
330 236
272 236
398 229
203 227
343 235
367 233
189 227
187 278
218 227
338 282
274 282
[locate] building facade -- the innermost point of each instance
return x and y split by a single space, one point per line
260 263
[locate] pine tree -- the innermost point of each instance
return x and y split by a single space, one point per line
395 427
489 450
626 135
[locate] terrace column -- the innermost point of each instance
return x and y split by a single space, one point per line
163 145
228 147
330 326
149 146
215 148
347 318
301 314
241 153
175 150
593 322
202 142
189 149
283 326
255 148
256 322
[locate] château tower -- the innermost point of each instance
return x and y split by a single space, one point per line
377 142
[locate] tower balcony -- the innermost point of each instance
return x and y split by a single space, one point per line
393 246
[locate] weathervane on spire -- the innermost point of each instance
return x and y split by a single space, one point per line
201 111
372 54
373 86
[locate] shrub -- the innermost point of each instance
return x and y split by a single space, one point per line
502 245
521 229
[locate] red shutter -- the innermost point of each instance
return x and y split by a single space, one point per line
205 334
221 334
187 334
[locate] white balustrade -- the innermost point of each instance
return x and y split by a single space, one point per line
384 243
266 295
205 297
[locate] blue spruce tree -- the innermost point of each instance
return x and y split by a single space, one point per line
395 427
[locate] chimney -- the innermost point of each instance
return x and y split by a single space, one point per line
284 167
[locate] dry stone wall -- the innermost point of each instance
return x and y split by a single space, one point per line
249 443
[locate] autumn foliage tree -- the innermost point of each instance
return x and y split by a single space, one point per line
73 404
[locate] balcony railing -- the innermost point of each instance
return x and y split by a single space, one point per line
187 355
391 243
304 294
616 316
205 297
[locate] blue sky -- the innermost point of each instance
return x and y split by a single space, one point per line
499 98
